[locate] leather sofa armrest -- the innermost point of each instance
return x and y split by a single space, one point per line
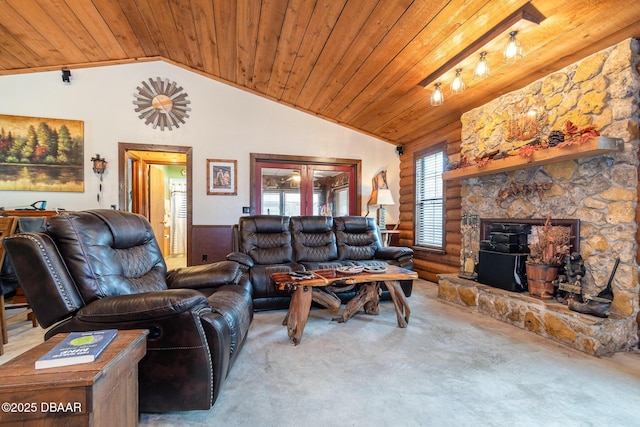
394 253
241 258
144 306
204 276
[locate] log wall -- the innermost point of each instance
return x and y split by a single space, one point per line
429 263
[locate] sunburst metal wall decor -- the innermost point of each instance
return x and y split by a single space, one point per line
161 103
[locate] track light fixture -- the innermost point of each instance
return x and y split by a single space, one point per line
487 46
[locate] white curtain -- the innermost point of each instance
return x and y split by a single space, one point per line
178 216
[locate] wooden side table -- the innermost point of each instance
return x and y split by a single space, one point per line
101 393
387 235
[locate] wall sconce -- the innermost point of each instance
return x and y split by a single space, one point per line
437 97
481 70
66 76
382 197
516 23
457 85
513 51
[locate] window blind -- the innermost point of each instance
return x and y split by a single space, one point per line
429 200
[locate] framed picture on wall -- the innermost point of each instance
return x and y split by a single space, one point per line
41 154
222 177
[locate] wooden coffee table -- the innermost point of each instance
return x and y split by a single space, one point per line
307 290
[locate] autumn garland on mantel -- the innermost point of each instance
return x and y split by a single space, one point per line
570 136
561 139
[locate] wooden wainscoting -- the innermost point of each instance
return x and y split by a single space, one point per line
210 243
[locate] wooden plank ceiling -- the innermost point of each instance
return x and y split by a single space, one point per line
354 62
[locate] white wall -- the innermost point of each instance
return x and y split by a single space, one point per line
224 123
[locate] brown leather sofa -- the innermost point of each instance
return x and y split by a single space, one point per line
266 244
103 269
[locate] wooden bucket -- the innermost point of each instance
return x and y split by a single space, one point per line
540 279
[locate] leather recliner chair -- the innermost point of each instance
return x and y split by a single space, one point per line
103 269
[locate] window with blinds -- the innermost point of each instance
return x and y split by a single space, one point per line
430 199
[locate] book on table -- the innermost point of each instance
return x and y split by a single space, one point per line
76 348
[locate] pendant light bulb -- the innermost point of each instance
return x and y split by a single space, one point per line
437 97
457 85
513 51
482 67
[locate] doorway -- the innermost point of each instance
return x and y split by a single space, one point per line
155 181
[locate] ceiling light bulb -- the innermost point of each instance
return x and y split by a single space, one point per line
482 67
457 85
437 97
513 50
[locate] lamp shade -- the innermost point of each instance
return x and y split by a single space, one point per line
382 196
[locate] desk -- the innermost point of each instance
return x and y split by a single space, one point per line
101 393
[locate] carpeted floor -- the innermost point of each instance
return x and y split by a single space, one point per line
450 367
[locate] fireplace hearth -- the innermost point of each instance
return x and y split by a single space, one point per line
500 291
547 318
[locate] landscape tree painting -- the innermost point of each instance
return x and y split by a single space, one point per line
38 154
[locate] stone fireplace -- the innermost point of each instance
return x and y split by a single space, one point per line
599 188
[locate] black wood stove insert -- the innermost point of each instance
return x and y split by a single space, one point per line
503 250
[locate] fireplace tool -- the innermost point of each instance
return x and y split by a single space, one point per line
600 304
469 229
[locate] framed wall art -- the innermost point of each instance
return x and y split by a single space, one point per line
39 154
222 177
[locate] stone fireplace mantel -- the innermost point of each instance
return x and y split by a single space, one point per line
593 147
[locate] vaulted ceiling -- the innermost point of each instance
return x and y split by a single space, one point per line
355 62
